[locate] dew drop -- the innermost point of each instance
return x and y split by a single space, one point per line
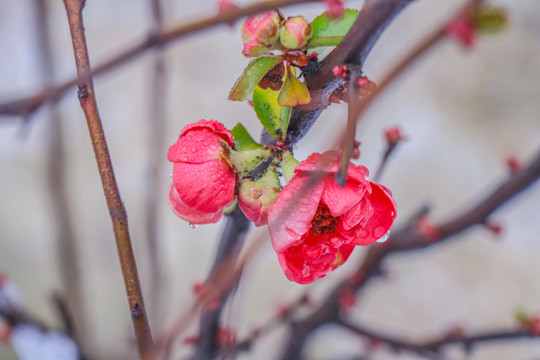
193 226
266 106
170 176
384 237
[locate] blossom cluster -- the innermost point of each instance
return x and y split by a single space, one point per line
269 31
313 227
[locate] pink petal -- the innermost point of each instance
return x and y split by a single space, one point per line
196 147
341 199
330 160
358 214
290 216
212 125
190 215
384 213
207 187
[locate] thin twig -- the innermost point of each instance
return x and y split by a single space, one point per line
418 51
116 207
27 105
409 238
431 348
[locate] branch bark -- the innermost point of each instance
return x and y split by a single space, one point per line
26 106
404 239
116 207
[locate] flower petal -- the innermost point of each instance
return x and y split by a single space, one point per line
290 216
214 126
207 187
341 199
190 215
384 213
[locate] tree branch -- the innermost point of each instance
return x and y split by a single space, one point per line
26 106
231 242
116 207
431 348
409 238
374 17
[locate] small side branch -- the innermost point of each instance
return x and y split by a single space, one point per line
117 210
27 106
431 348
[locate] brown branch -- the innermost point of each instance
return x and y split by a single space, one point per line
431 348
117 210
374 17
26 106
408 238
362 104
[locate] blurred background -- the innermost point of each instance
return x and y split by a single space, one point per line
462 112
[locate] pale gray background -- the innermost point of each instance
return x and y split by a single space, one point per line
462 112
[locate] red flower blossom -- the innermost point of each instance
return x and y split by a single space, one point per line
316 233
203 180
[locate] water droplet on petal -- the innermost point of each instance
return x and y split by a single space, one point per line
384 237
170 176
193 226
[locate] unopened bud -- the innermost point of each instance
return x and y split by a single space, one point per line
295 33
256 196
260 33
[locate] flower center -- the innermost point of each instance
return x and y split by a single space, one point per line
323 222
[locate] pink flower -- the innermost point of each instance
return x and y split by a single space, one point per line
315 233
260 33
203 180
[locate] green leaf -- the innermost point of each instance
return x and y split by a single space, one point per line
293 92
491 20
330 32
243 140
273 117
252 75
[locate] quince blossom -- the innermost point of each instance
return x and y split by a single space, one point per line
203 180
315 233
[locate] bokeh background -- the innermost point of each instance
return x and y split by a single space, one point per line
462 111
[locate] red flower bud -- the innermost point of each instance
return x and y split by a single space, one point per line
346 299
393 135
316 233
203 181
341 71
513 163
295 33
260 33
463 31
334 8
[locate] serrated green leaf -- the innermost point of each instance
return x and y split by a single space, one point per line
243 140
252 75
293 92
273 116
330 32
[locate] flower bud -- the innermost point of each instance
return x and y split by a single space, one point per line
295 33
256 196
203 179
260 33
